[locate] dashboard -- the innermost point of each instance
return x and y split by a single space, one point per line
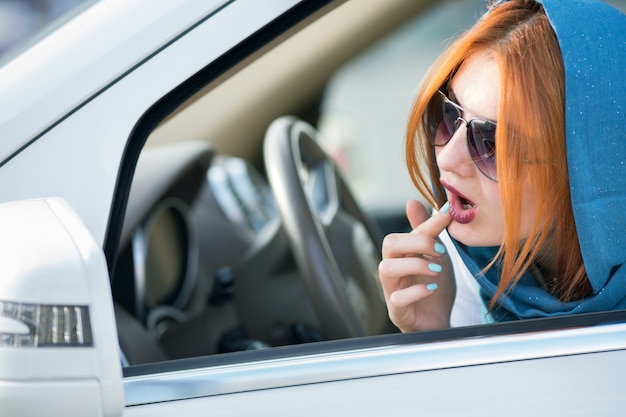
204 265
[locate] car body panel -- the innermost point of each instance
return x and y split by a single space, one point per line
82 58
500 389
472 377
121 95
373 362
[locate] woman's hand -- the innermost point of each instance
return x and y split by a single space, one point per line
416 273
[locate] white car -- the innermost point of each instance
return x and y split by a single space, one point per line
174 241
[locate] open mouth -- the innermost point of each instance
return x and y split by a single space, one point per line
466 204
462 209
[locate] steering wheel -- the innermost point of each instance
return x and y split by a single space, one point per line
335 246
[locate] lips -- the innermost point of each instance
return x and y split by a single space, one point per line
462 209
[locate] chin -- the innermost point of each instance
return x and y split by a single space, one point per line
470 235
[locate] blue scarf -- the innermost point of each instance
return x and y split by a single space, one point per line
592 38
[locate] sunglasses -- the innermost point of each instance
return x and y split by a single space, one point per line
443 117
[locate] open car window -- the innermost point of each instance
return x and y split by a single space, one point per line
206 276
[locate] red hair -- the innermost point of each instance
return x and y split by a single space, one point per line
530 141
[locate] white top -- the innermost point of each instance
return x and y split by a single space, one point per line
469 308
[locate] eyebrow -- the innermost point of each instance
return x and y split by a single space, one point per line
451 94
452 97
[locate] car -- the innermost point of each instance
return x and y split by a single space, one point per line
179 237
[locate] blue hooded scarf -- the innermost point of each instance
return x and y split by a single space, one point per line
592 38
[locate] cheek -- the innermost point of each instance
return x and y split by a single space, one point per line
493 218
487 229
442 134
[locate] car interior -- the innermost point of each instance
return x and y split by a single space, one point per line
259 201
214 254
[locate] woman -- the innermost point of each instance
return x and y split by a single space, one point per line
538 219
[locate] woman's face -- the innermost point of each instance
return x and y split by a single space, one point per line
474 199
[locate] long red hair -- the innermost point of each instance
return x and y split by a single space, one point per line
530 140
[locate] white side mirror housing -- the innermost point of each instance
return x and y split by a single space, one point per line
58 342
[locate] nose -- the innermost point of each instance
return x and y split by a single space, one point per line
454 156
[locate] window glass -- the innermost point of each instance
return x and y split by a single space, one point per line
23 22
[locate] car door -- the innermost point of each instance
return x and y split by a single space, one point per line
78 135
517 369
557 367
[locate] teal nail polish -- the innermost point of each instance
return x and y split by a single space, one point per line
435 267
439 248
432 286
444 209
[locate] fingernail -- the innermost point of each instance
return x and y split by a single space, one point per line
444 209
439 248
432 286
435 267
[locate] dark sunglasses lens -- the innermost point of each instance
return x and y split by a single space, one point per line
450 115
442 119
482 141
432 117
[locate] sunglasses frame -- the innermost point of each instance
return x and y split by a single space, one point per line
473 127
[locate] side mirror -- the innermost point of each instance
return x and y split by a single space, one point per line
59 352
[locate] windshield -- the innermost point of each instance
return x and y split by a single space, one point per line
24 22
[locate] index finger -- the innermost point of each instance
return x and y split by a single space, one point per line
435 224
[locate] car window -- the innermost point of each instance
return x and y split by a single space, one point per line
23 22
206 268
